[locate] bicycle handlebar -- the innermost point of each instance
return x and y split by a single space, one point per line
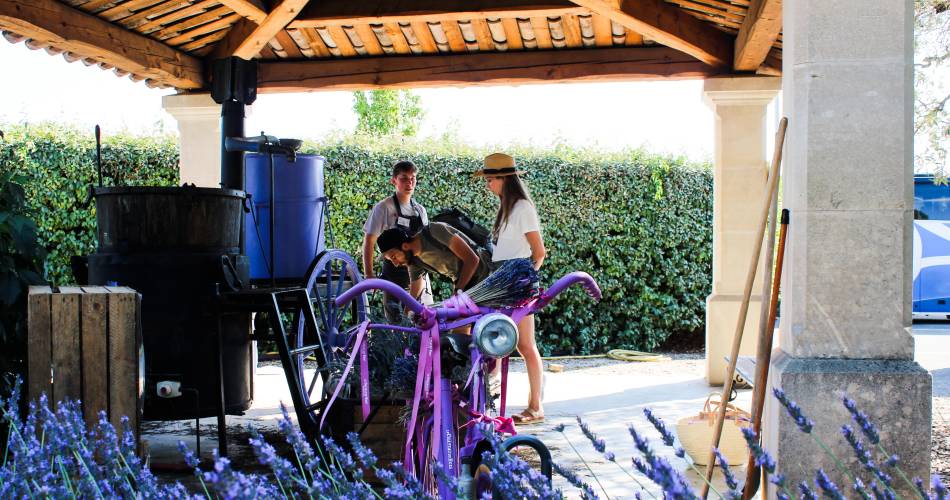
567 280
403 296
386 286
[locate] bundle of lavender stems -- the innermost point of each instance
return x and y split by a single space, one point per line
514 282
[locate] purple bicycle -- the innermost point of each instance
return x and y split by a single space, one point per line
441 409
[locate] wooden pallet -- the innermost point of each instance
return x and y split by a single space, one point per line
85 343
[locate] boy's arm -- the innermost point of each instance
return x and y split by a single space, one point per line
469 259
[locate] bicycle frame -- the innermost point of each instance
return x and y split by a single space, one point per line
434 390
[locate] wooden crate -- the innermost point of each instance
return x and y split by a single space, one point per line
85 343
384 434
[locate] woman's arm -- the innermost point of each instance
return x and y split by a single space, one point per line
536 242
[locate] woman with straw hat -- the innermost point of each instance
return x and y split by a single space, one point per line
517 235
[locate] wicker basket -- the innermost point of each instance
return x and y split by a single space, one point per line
696 433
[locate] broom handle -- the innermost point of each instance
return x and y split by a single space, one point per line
746 295
764 359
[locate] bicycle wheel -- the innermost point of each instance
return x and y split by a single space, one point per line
332 273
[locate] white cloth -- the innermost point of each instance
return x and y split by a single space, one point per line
383 216
512 243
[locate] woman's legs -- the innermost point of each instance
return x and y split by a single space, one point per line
528 349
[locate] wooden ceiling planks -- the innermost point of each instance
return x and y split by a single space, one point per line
483 68
333 29
127 9
171 18
512 34
86 36
542 33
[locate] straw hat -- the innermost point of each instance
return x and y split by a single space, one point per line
500 165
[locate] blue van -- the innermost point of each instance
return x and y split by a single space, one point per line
931 297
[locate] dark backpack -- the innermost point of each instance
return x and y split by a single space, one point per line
459 220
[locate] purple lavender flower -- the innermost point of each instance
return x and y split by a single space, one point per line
641 443
572 478
859 488
559 427
940 491
401 485
727 474
512 477
599 444
827 486
762 458
892 461
864 456
878 494
794 411
807 493
665 433
366 456
921 489
860 418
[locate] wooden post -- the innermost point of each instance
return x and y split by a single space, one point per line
95 353
39 343
123 357
67 377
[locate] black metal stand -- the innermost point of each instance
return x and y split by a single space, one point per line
222 418
274 302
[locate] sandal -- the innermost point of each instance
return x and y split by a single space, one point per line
528 417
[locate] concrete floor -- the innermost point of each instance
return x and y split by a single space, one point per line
608 395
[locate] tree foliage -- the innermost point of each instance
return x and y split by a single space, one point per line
387 112
932 85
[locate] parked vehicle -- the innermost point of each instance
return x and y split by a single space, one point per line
931 287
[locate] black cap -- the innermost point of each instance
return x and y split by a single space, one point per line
391 238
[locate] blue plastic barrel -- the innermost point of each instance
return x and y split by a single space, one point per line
299 215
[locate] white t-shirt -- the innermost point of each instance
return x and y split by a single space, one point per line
383 216
512 243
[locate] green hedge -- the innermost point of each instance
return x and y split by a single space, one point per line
59 162
641 224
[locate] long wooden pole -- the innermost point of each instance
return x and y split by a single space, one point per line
763 360
746 295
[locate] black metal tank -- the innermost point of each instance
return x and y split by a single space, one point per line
179 247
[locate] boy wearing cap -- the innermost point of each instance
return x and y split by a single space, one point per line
397 211
437 248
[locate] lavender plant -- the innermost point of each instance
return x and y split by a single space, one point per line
51 454
673 484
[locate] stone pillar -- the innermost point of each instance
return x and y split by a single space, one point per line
741 171
846 287
199 127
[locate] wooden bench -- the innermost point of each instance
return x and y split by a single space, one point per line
745 369
85 343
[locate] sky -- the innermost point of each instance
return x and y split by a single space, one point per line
664 116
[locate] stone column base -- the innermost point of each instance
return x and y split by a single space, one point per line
895 394
722 312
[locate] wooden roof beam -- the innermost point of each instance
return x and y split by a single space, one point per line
351 13
758 34
668 25
87 36
275 21
482 68
250 9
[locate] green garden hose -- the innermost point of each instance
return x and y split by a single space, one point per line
628 355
